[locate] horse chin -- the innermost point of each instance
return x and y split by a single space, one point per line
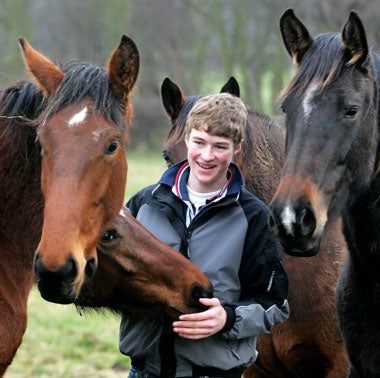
173 312
301 247
61 295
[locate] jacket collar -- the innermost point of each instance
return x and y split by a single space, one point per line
177 175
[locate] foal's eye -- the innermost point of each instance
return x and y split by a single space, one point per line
351 111
283 109
109 236
166 156
111 149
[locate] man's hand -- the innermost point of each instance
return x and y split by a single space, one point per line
202 324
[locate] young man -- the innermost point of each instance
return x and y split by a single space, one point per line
200 207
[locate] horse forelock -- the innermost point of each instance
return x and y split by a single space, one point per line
321 65
87 80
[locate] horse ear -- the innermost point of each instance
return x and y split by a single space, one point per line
232 87
172 98
295 36
46 74
354 39
123 68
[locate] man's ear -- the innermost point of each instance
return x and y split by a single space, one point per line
237 148
187 140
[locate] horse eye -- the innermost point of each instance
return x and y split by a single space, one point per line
112 147
109 236
351 112
166 157
283 109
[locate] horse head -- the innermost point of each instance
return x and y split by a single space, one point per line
82 134
331 130
138 273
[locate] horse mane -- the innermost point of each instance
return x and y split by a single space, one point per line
319 67
21 100
20 105
87 80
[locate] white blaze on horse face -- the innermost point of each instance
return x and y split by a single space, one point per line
307 101
288 217
78 118
96 135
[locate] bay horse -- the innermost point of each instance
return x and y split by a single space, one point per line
21 208
332 148
308 344
82 133
28 144
80 115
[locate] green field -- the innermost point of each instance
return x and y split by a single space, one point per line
61 343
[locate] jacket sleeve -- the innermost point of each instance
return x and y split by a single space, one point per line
264 283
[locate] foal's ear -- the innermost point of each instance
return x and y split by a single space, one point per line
172 98
231 87
355 40
123 68
295 36
46 74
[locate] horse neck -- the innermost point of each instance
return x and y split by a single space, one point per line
262 157
21 200
360 227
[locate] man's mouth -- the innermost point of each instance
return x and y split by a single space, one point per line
203 166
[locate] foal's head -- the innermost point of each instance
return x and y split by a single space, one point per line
82 133
331 129
139 273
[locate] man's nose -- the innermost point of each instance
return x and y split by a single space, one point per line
208 153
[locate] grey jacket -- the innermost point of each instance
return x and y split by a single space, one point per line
230 241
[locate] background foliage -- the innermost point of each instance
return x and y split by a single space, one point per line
199 44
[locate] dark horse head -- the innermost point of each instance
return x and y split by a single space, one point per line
331 108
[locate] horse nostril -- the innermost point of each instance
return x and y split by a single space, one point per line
307 221
90 267
198 292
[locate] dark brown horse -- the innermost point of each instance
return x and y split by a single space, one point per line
332 147
21 209
308 344
31 128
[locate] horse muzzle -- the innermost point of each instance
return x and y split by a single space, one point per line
56 286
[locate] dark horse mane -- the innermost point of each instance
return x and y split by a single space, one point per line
22 99
86 80
20 104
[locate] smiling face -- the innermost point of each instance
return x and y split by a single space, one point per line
209 157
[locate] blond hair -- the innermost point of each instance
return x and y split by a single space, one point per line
219 114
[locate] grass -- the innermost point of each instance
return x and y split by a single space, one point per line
61 343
